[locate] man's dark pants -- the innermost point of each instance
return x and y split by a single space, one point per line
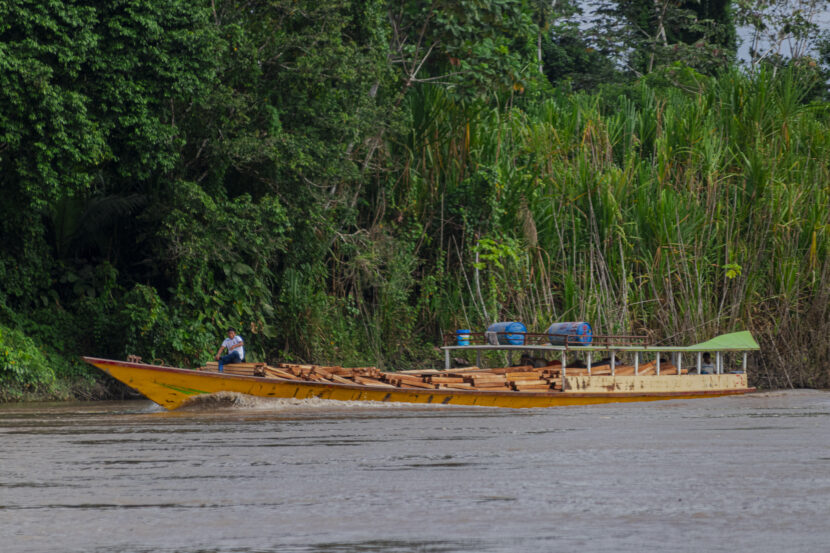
232 357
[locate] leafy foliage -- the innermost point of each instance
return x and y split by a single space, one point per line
345 181
644 35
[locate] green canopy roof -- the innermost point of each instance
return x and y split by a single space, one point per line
734 341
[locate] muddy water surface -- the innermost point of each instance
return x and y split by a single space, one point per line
730 474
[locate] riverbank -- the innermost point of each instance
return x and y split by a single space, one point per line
65 390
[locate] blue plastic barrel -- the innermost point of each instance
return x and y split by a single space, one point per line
462 337
509 327
576 334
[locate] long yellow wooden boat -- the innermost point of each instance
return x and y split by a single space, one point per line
172 387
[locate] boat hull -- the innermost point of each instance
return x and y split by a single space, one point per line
171 387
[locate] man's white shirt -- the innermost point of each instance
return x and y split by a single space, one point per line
229 342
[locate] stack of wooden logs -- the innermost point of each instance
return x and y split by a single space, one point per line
237 369
521 379
518 379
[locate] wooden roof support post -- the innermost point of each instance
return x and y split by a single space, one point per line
613 362
589 363
658 364
636 363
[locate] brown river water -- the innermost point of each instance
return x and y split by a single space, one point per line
732 474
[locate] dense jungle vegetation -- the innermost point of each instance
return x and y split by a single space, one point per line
344 181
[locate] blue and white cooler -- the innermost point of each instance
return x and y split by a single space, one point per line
510 333
572 334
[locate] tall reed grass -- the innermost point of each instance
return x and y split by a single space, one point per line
678 213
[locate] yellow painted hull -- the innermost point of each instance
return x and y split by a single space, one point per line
171 387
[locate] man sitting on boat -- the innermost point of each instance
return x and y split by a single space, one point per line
236 350
707 367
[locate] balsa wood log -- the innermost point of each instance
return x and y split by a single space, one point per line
279 373
453 387
504 370
422 385
484 377
531 387
624 370
426 371
529 382
602 370
446 379
463 370
340 380
238 371
371 382
418 377
367 369
521 375
490 384
293 366
571 371
405 378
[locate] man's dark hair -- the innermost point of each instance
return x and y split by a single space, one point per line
231 329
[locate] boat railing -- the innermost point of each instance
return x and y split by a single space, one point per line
544 339
611 345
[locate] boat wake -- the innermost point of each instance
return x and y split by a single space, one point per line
796 392
237 401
